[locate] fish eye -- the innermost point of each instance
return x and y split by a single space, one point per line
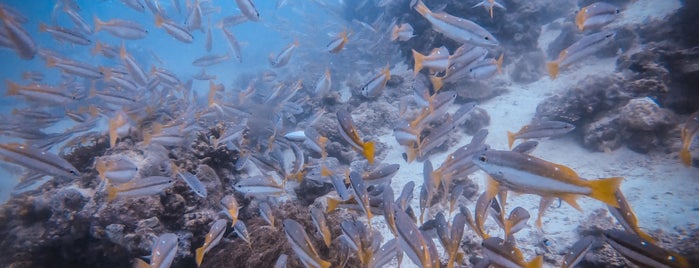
482 158
486 38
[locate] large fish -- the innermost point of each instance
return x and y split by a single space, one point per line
643 253
596 15
523 173
586 46
38 160
458 29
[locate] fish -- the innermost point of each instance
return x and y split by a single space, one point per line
230 207
380 175
523 173
457 29
389 211
193 20
139 187
503 254
134 69
135 5
233 44
38 160
324 83
211 59
267 213
336 45
209 36
302 245
191 180
22 42
540 129
105 50
420 249
65 35
281 261
281 59
641 252
212 238
596 15
259 185
361 195
489 5
74 67
119 28
526 147
163 252
375 86
118 169
689 133
321 225
625 215
241 230
485 69
78 20
178 32
516 221
579 50
402 32
41 93
349 132
436 61
230 21
481 214
386 253
247 7
577 251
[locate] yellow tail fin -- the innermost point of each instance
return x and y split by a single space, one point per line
332 204
111 192
437 83
604 189
199 255
138 263
499 62
418 61
685 156
395 32
369 151
12 88
536 262
580 19
159 20
98 24
510 139
101 168
421 8
552 68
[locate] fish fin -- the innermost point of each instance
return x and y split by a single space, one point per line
580 19
111 192
571 200
112 132
51 62
418 61
12 88
499 62
101 168
537 262
122 51
411 153
552 68
543 205
199 255
324 264
324 171
139 263
98 23
437 82
332 204
604 189
395 32
369 151
491 11
685 156
510 139
159 20
42 27
97 48
421 8
492 187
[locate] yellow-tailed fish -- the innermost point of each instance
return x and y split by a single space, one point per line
321 224
485 69
65 35
213 237
139 187
540 129
586 46
115 123
247 7
523 173
302 245
194 17
361 194
23 43
642 252
123 29
233 44
458 29
516 221
689 134
577 251
626 217
283 57
596 15
163 252
191 180
132 66
336 45
259 186
173 29
41 93
241 230
375 86
211 59
38 160
436 61
119 169
323 84
267 213
349 133
503 254
231 208
402 32
420 249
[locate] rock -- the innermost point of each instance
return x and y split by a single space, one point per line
603 135
477 119
644 114
528 67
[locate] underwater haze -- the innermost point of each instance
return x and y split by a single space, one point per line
349 133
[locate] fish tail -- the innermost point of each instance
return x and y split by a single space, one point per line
42 27
580 19
138 263
395 32
332 205
199 256
536 262
101 168
552 68
437 82
369 150
98 23
51 62
421 8
510 139
604 189
411 153
12 88
685 156
324 264
111 192
159 20
113 132
499 62
97 48
418 61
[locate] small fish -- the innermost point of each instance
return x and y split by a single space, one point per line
211 59
324 83
191 180
420 250
381 175
516 221
626 217
241 230
123 29
524 173
337 44
302 245
321 225
23 43
231 21
540 129
641 252
281 261
481 214
403 32
503 254
389 209
105 49
349 133
74 68
406 196
209 36
577 251
485 69
526 147
118 169
38 160
690 131
163 252
247 7
267 213
339 186
579 50
193 20
596 15
489 5
134 69
281 59
259 186
234 45
231 208
65 35
361 194
174 30
135 5
78 20
139 187
41 93
375 86
213 237
458 29
455 235
436 61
